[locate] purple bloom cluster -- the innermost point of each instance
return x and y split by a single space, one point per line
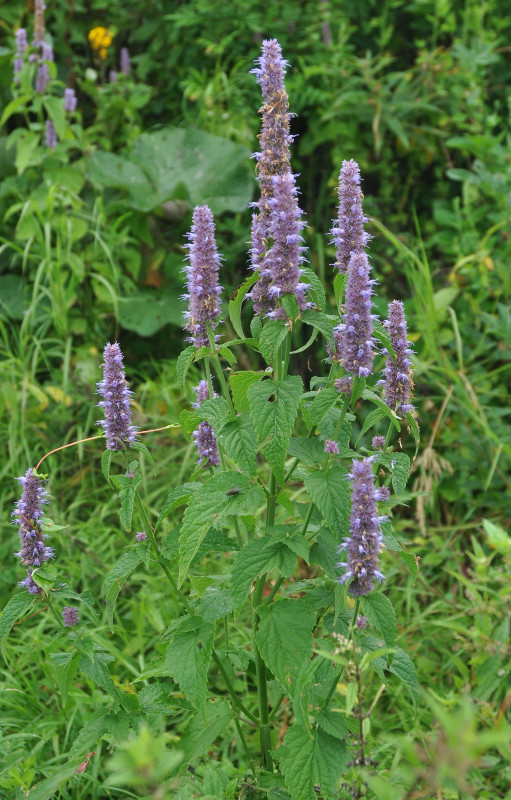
354 345
202 277
112 76
365 539
70 616
141 536
116 400
70 100
398 385
125 61
331 447
205 439
378 442
28 513
51 135
348 230
21 46
43 72
361 622
344 385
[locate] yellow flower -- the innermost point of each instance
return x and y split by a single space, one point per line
100 40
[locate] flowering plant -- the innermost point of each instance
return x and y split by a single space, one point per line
281 485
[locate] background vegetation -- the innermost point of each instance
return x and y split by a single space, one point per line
90 250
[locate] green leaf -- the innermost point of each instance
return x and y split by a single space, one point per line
178 497
118 575
189 421
89 735
214 411
238 439
324 552
290 306
210 505
398 465
329 489
273 407
284 639
27 145
227 353
215 603
236 303
308 451
315 412
55 110
296 756
47 788
12 107
188 657
150 310
330 757
340 282
272 335
403 667
97 671
381 616
334 723
322 323
256 558
381 335
368 394
154 699
316 291
414 427
13 610
140 447
412 562
200 735
128 489
183 364
370 421
65 665
240 383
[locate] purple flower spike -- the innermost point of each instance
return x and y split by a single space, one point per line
331 447
43 72
202 278
125 61
398 386
365 539
354 336
69 99
21 46
141 536
112 76
70 616
28 514
344 385
51 135
116 401
361 622
205 439
378 442
348 230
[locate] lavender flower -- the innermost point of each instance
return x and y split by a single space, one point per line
21 46
205 439
51 135
202 277
28 513
348 230
116 404
344 385
361 622
39 9
112 76
365 540
70 100
43 72
141 536
125 61
353 337
398 375
331 447
383 493
378 442
70 616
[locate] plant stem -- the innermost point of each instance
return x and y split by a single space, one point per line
350 636
234 697
54 612
218 369
344 410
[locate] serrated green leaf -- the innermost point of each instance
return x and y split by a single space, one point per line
316 291
330 757
106 461
214 411
183 364
128 489
210 505
117 577
188 656
321 322
91 732
239 383
13 611
370 421
334 723
46 789
236 303
284 639
411 562
290 306
398 465
256 326
140 447
65 665
381 616
154 699
118 725
403 666
178 497
316 411
381 335
296 757
308 451
368 394
189 421
200 735
98 673
329 489
271 337
238 439
216 603
256 558
324 552
275 418
340 282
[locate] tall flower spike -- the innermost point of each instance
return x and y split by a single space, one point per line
348 231
116 400
43 72
51 135
69 99
202 277
398 386
125 61
365 539
354 345
286 253
39 9
274 159
21 46
205 440
28 513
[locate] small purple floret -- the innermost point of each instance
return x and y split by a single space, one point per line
361 622
365 539
205 439
398 375
70 616
348 230
344 385
141 536
331 447
69 99
202 278
378 442
28 514
116 401
354 345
